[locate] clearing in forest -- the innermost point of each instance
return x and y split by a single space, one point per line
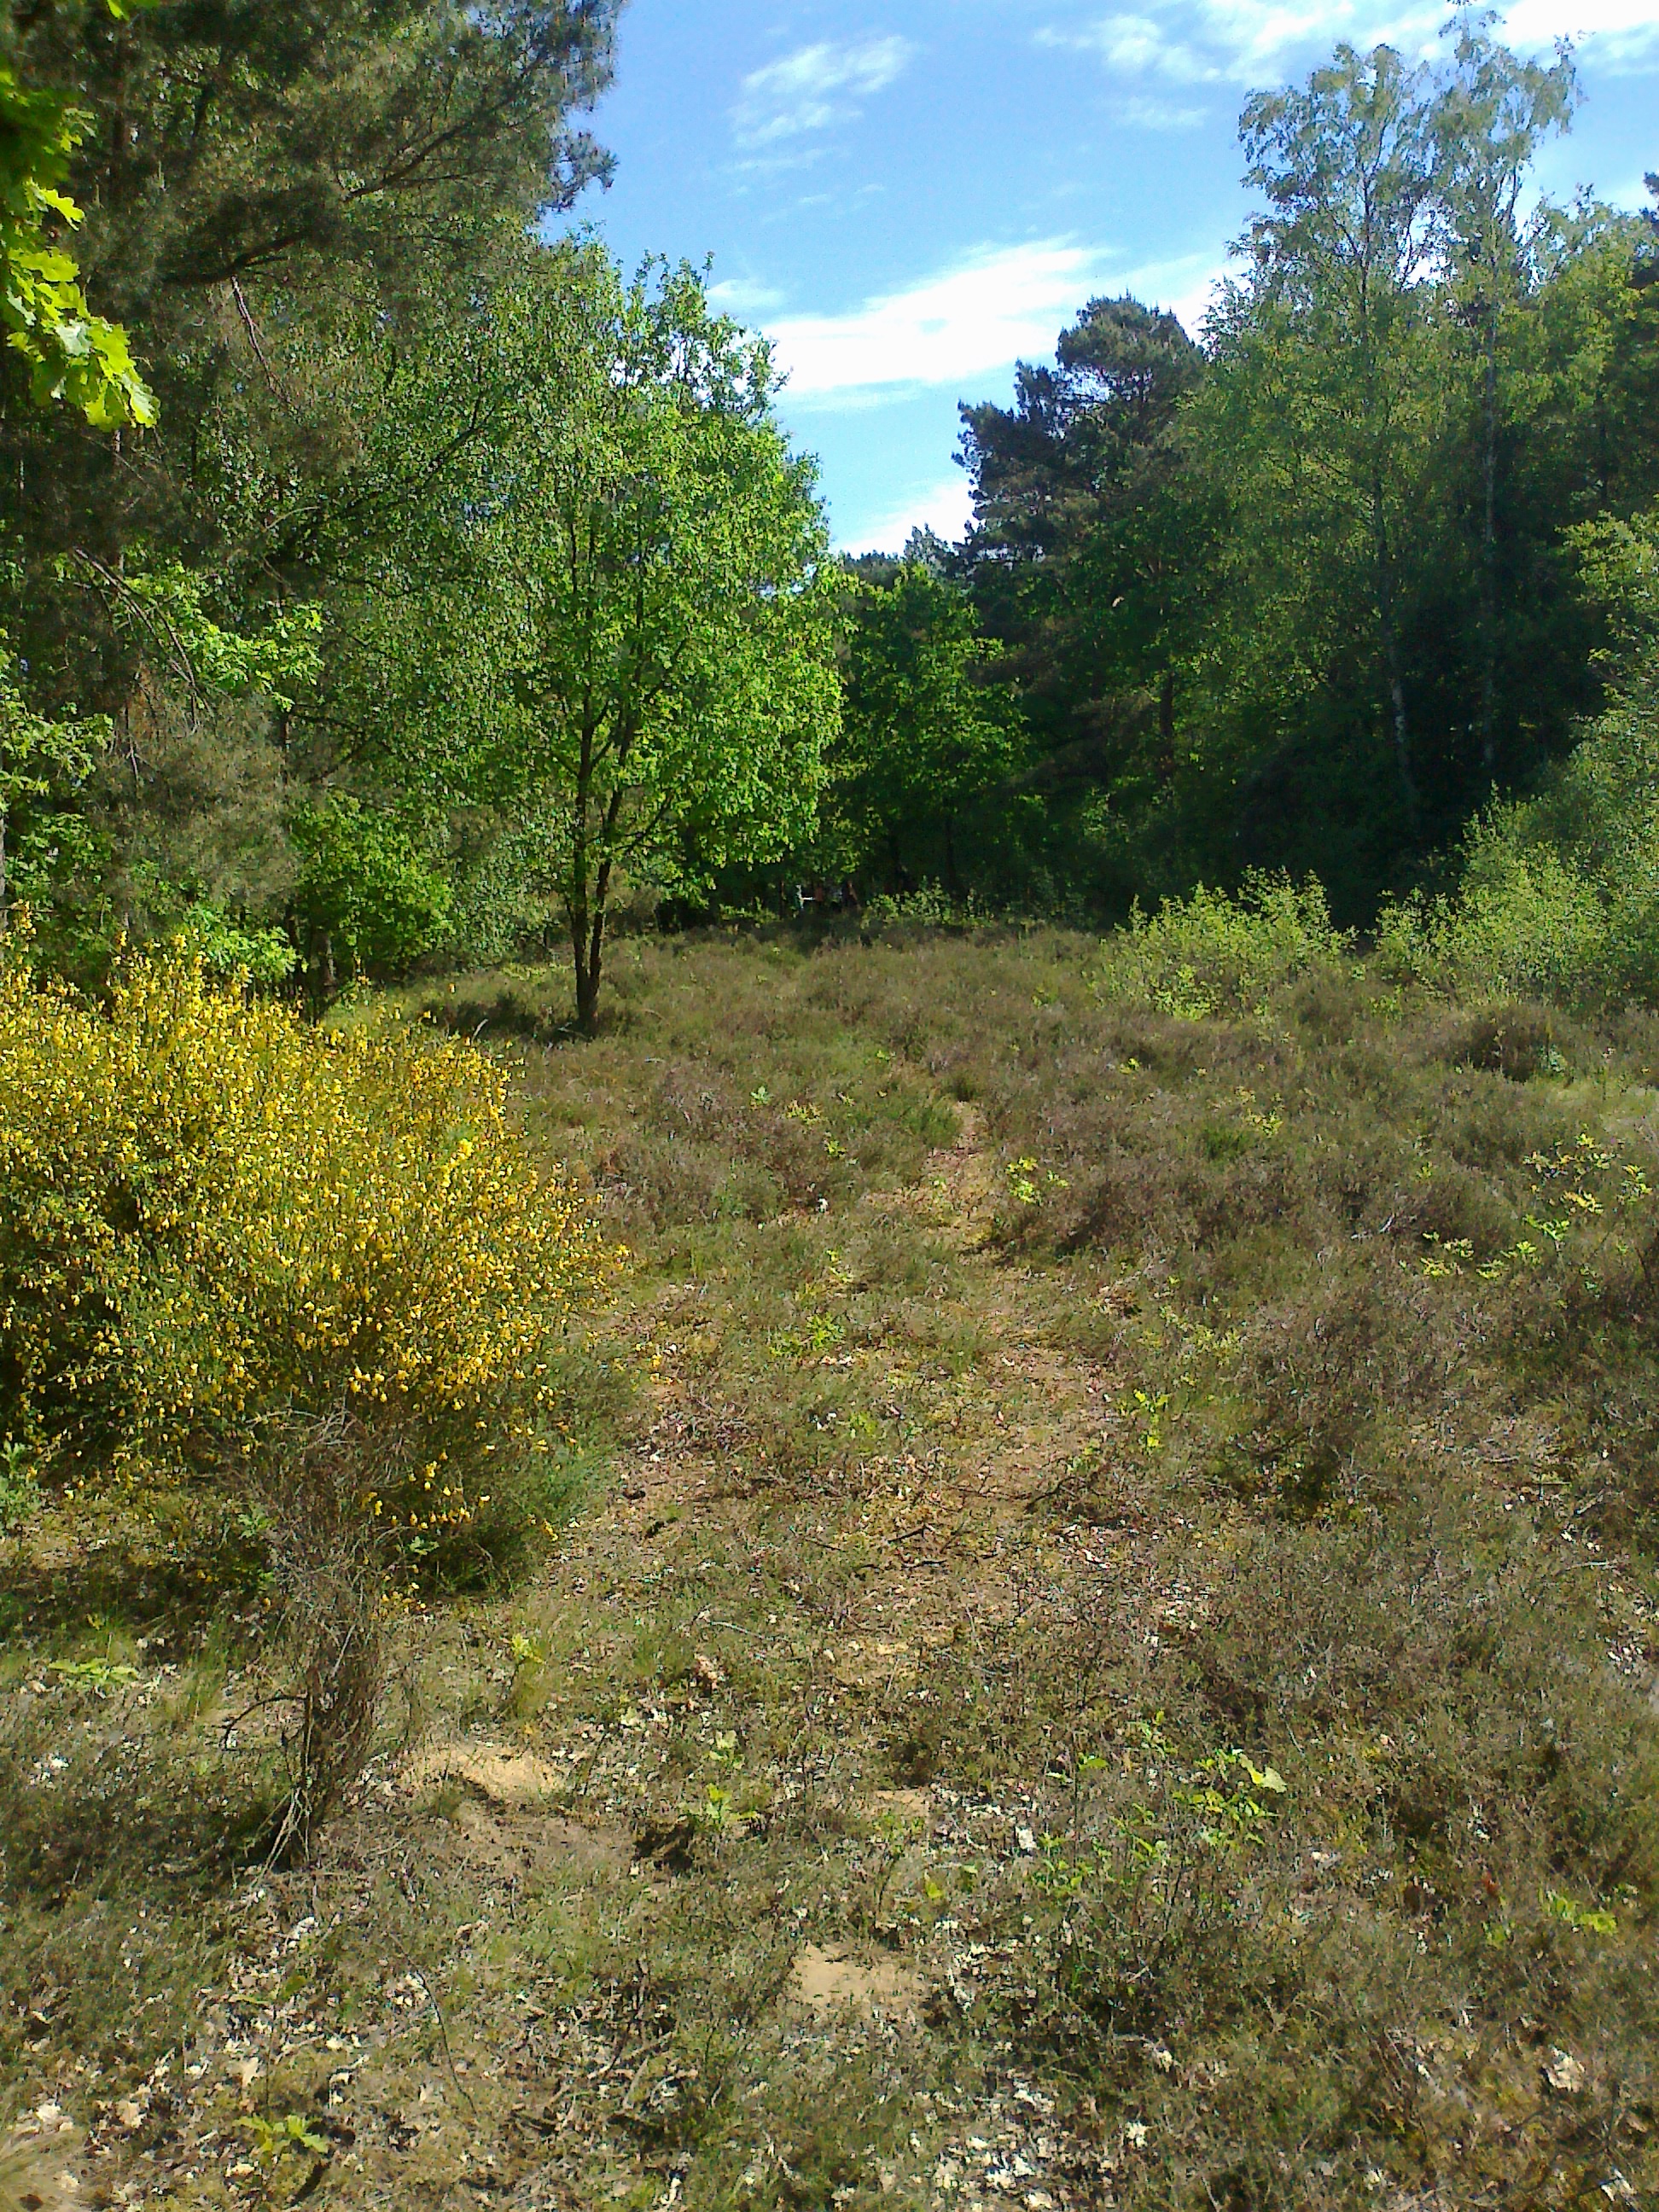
1107 1656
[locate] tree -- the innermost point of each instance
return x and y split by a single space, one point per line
633 574
259 175
280 201
236 139
1347 165
923 738
1489 121
1085 561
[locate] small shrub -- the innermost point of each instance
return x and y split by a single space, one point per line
368 897
1521 921
217 1222
930 908
1212 954
1557 896
323 1264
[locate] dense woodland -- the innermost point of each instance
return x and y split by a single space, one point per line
390 579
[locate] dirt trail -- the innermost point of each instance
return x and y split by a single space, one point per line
947 1525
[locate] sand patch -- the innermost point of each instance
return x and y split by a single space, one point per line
513 1779
838 1981
504 1822
913 1807
34 2176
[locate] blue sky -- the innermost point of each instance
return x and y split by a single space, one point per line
911 195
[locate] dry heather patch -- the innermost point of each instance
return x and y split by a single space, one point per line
1134 1544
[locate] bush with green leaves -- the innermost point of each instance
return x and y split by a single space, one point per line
1213 953
371 896
1559 893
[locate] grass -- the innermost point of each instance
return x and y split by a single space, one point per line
1112 1659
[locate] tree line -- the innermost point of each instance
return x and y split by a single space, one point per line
388 576
1310 591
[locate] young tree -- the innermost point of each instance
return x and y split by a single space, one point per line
1347 165
636 589
923 738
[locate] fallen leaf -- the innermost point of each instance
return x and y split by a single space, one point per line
1564 2073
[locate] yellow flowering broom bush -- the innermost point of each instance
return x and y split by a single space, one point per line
220 1228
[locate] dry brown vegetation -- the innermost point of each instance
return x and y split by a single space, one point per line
1107 1656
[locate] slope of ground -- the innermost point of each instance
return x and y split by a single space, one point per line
1109 1658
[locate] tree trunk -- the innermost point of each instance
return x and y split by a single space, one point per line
1391 648
576 897
587 945
589 894
5 910
1166 760
1489 562
953 882
321 981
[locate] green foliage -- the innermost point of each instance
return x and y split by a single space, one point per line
73 357
366 888
19 1492
38 754
292 2132
167 608
343 189
1619 577
628 630
1522 920
1299 597
230 948
1558 893
1211 953
924 740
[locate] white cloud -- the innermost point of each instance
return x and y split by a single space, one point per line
1631 194
743 296
946 508
1240 41
1137 45
997 306
1615 30
1250 42
1188 290
816 87
1000 305
1141 113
